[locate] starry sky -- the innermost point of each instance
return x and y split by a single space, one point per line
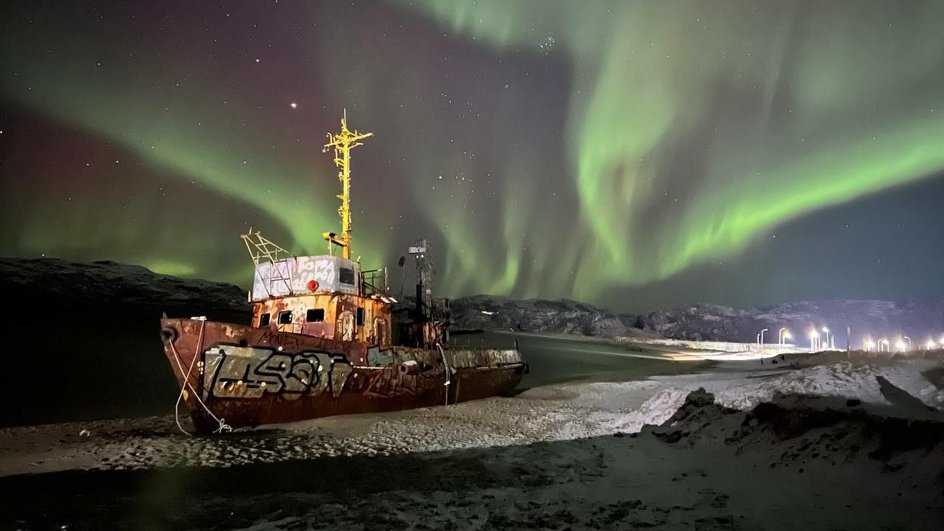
636 155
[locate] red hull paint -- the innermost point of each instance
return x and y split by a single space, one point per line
251 376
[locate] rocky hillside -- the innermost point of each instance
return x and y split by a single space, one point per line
44 280
536 315
918 320
111 283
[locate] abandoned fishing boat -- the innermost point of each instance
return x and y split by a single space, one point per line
325 339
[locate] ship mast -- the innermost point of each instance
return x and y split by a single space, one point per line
343 144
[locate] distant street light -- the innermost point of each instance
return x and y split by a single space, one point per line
884 341
814 339
930 344
783 334
762 336
867 344
910 344
826 331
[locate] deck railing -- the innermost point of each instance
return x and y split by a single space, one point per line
375 281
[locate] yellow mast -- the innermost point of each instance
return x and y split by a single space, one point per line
342 145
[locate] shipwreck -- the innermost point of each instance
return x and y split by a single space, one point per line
325 338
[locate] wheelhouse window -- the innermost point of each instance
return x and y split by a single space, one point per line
346 276
360 317
285 317
264 319
315 315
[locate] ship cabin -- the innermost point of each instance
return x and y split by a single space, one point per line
322 296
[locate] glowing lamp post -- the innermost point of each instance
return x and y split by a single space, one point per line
826 331
814 340
930 344
783 335
868 344
762 336
910 344
883 341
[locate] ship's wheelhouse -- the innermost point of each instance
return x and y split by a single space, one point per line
322 296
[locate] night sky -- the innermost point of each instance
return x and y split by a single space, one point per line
632 154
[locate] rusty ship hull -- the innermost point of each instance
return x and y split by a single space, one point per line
321 340
242 376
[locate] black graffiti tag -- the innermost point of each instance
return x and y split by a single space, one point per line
244 372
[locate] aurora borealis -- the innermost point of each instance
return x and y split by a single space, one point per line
633 154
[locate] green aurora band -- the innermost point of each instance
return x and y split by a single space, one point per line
689 130
829 106
183 129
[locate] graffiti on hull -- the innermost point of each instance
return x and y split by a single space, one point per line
247 372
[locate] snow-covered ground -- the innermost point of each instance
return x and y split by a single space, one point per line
554 462
540 414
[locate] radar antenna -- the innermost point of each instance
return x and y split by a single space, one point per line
424 277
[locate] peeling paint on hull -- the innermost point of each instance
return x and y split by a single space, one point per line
251 376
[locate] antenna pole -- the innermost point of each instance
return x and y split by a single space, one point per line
342 144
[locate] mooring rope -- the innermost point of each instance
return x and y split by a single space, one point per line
448 371
223 426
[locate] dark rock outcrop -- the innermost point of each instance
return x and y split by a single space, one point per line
113 284
797 428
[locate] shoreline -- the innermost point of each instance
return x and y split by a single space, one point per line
844 446
548 412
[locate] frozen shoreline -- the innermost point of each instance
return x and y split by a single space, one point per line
546 413
546 458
